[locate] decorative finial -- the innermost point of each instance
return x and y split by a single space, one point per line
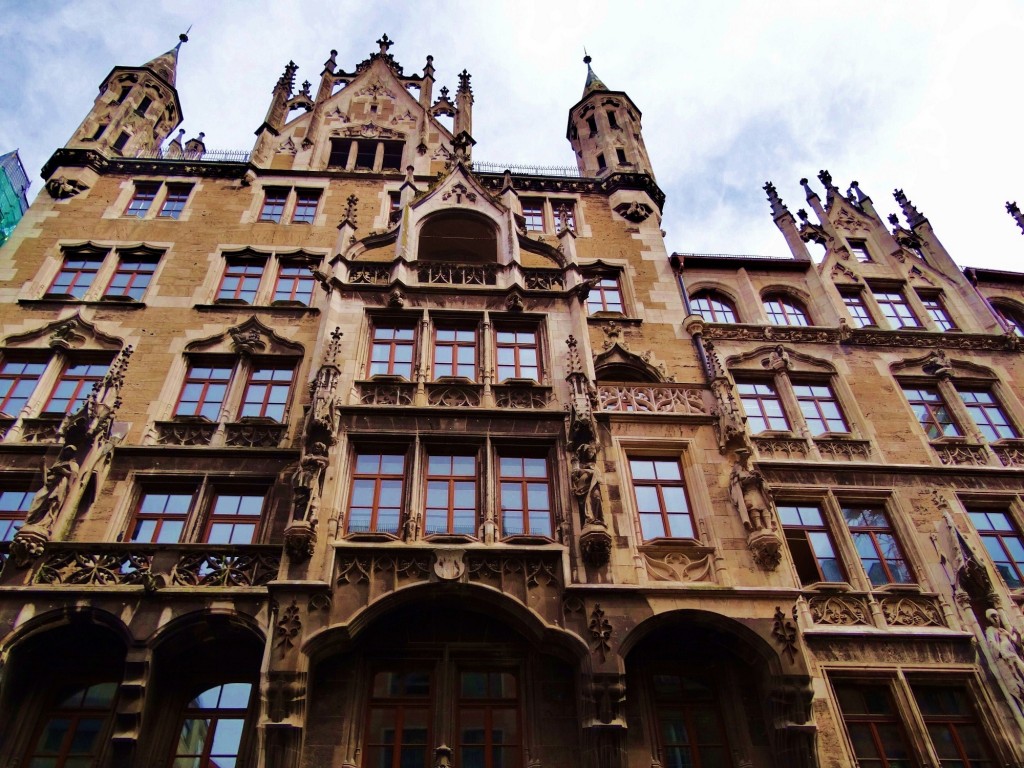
1014 211
183 37
807 189
778 207
586 56
910 212
894 219
464 82
825 178
384 44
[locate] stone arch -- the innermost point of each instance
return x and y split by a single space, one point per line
619 364
75 615
458 235
800 298
716 290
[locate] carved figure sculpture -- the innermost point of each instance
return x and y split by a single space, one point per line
308 476
749 497
584 484
1008 648
49 499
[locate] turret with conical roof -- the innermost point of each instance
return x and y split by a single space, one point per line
604 131
136 109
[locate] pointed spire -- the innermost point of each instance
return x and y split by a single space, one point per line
1013 210
807 189
778 207
913 216
166 64
594 83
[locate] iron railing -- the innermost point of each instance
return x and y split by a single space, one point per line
564 171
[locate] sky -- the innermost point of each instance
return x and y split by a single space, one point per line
923 96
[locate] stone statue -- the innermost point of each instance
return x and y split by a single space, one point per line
1008 649
48 499
584 485
749 497
307 478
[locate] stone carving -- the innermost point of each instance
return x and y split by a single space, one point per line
677 566
752 500
635 398
844 450
600 631
102 568
1007 647
453 396
731 424
865 336
840 610
61 187
396 299
1010 456
288 628
448 564
521 397
907 611
253 435
838 269
607 693
633 211
456 274
370 275
386 394
364 569
543 280
458 191
961 453
48 499
219 569
187 433
784 632
40 430
247 342
319 601
780 448
938 365
514 301
307 479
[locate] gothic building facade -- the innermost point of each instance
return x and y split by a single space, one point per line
354 451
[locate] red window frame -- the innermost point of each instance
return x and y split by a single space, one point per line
987 413
931 411
267 392
525 495
207 719
762 406
18 382
877 545
74 385
14 505
294 283
160 516
938 313
95 704
858 310
1003 542
142 198
782 310
455 352
307 201
204 390
132 276
713 307
76 275
662 501
533 214
811 544
949 716
605 296
235 517
452 498
518 351
872 720
274 200
682 705
174 203
241 280
820 408
895 309
489 732
399 697
392 351
377 493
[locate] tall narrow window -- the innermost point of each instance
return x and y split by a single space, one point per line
762 406
366 153
592 125
266 393
75 383
398 720
661 499
294 284
142 199
375 503
74 731
858 310
953 726
875 729
241 281
132 277
602 164
234 519
690 729
339 153
860 251
143 106
392 160
877 546
533 213
987 414
810 544
525 496
605 296
203 392
713 307
896 310
782 310
820 408
212 727
76 275
121 141
174 203
18 379
274 199
392 350
612 122
1012 318
1003 542
938 313
160 517
518 356
931 411
490 733
306 203
14 505
455 352
451 495
125 90
620 156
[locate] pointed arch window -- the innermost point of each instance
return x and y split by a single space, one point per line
784 310
1012 317
713 307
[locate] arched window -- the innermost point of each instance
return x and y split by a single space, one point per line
784 310
454 236
713 307
1013 317
212 727
75 727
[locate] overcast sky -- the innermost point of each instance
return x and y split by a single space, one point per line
924 96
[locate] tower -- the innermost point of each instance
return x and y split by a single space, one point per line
136 109
604 131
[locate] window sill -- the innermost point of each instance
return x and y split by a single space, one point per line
910 589
665 542
370 536
53 298
273 308
823 587
450 538
527 540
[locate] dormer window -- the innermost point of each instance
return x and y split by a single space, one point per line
368 155
859 249
366 151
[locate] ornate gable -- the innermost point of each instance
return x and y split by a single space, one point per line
69 333
249 338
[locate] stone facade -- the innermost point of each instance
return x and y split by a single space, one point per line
346 453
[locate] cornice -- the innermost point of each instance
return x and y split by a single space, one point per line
867 337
